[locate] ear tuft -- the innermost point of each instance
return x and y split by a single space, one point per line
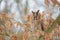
32 12
37 11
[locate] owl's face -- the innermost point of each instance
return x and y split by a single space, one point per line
35 14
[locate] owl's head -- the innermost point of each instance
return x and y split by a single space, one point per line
35 14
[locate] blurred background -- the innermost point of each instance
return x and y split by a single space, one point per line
22 7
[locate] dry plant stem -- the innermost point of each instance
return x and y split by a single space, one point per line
53 24
51 27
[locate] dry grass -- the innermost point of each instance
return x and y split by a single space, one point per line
31 22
